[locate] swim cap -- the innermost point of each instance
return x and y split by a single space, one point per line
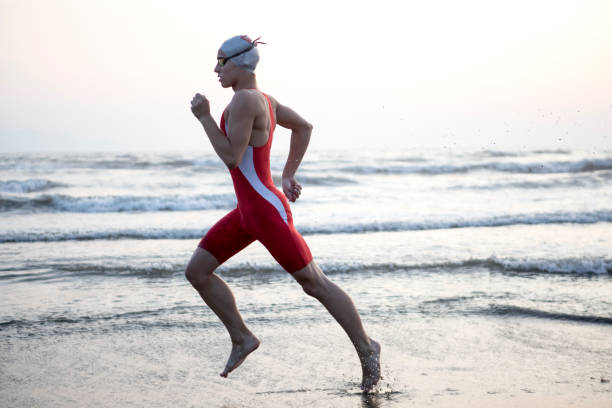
237 44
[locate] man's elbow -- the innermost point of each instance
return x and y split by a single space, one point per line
231 163
232 160
306 128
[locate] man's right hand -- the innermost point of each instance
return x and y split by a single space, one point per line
200 106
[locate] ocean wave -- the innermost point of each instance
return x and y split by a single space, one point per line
111 161
138 162
106 204
589 217
28 186
551 151
410 159
172 317
48 271
33 272
310 180
583 265
54 236
589 180
579 166
516 311
500 153
576 266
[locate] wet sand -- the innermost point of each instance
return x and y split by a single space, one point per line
439 362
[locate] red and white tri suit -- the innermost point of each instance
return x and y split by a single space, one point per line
262 212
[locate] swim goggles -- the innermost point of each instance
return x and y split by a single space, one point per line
222 60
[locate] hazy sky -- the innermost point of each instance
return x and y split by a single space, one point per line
119 75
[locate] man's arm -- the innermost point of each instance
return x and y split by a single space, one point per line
241 115
300 136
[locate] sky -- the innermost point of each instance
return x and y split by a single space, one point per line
111 75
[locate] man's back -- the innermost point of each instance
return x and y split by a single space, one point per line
249 108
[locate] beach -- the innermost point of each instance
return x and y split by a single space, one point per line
485 275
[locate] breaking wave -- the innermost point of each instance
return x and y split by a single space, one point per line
106 204
586 165
28 186
357 228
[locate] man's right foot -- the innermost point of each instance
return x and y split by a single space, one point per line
370 365
240 351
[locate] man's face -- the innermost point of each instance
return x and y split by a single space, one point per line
226 71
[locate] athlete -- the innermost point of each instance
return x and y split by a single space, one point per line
243 141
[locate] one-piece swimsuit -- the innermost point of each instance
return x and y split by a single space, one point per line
262 212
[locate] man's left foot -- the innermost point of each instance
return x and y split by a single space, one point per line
370 365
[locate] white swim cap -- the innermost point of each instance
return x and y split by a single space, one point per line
243 51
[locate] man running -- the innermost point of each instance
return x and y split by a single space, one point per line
243 143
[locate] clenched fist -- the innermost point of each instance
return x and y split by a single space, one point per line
291 188
200 106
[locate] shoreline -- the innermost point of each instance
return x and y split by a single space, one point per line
433 362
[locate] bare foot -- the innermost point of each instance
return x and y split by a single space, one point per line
370 365
240 351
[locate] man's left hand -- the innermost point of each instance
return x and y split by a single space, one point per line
291 188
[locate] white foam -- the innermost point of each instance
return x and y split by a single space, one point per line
583 265
27 186
182 233
586 165
588 217
105 204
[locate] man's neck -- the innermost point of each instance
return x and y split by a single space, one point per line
246 82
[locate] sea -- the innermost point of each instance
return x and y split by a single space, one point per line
486 275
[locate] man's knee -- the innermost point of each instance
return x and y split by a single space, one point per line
201 265
194 275
312 280
311 288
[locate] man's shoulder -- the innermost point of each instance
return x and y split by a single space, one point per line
246 100
245 95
